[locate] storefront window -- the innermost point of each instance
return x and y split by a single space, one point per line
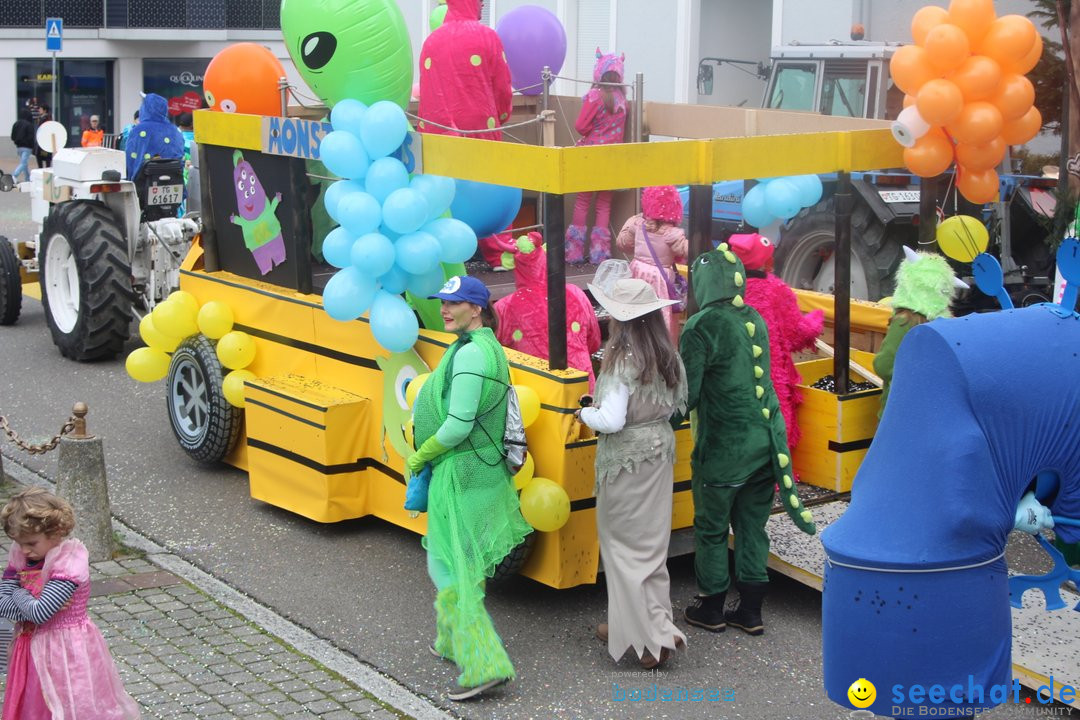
179 81
84 89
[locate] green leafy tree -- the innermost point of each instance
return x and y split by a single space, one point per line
1049 76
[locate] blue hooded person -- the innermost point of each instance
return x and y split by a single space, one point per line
154 136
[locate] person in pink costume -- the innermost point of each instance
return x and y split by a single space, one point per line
496 249
59 665
660 218
789 329
464 78
523 315
602 121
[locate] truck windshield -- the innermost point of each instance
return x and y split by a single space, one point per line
843 90
793 86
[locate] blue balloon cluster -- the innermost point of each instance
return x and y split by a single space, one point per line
392 235
780 198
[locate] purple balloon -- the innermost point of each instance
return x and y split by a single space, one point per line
532 37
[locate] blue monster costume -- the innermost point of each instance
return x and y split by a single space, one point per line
153 136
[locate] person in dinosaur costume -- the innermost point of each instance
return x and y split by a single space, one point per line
924 287
154 136
789 329
740 444
523 315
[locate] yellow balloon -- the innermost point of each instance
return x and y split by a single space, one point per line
530 404
174 317
962 237
154 337
413 388
525 474
215 319
233 386
236 350
186 299
147 364
545 505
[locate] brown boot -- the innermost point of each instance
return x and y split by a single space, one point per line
649 662
601 632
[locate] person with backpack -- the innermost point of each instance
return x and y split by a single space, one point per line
474 518
22 135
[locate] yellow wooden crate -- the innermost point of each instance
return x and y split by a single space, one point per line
836 429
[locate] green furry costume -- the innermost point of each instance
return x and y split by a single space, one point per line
474 518
924 288
740 443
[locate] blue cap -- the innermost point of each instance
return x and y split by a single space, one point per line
463 288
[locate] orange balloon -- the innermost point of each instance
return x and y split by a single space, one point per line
974 17
1015 94
925 20
1018 132
243 78
911 68
1029 61
979 122
939 101
981 157
931 155
1009 39
977 78
947 47
978 186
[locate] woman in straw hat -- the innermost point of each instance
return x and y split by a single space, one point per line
641 385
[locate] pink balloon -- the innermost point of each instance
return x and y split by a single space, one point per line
532 37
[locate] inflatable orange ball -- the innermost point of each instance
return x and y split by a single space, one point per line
974 17
243 78
1009 40
977 78
1018 132
978 186
925 20
981 157
931 155
947 47
979 122
940 102
911 68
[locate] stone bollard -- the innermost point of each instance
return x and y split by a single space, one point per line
80 479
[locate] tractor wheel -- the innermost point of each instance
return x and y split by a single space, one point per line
10 284
511 565
203 421
85 281
804 258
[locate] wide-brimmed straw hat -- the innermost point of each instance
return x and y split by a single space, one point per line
623 296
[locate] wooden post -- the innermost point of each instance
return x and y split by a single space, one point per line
700 232
1070 30
842 283
928 195
555 234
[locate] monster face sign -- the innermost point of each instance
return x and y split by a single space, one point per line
350 48
256 217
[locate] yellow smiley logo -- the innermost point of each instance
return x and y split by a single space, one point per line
862 693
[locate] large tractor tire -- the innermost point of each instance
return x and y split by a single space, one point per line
85 281
511 565
10 284
804 257
203 421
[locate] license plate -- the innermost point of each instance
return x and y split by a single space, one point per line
899 196
165 195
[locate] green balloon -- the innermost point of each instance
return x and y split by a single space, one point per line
437 16
356 49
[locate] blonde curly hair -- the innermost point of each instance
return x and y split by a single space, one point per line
36 510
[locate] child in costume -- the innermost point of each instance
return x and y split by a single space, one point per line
59 666
789 330
602 121
740 444
474 519
925 285
657 241
523 314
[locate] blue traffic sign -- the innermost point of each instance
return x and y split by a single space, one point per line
54 34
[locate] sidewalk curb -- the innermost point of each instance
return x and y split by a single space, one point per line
364 676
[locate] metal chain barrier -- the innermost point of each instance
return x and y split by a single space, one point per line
74 421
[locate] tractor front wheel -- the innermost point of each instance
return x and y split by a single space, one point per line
10 284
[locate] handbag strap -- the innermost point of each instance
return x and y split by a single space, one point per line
672 292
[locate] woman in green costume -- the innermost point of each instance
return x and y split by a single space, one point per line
474 518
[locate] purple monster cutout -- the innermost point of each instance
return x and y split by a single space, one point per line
262 231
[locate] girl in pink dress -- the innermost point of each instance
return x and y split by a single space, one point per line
60 667
658 225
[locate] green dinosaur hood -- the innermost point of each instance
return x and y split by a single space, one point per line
718 276
925 286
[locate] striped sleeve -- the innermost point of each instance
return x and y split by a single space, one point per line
7 605
53 596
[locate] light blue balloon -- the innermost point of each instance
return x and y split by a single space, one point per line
385 176
344 155
438 190
810 189
383 128
486 208
404 211
360 213
427 284
337 246
417 252
782 198
348 294
338 190
348 115
372 254
394 280
457 241
754 210
393 322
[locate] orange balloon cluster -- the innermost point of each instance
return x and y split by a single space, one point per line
966 95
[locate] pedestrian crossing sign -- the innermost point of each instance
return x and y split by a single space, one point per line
54 34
